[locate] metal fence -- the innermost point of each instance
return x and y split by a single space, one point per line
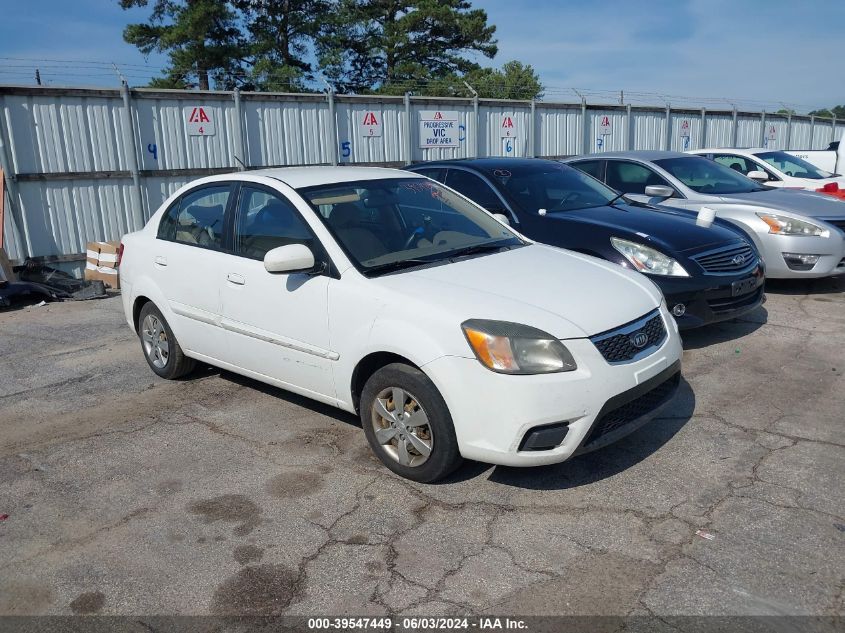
93 164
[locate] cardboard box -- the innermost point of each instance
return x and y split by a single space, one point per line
101 263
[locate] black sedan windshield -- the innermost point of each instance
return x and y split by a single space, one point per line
707 176
552 187
386 225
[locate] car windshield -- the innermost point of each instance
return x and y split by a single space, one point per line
707 176
551 186
793 166
389 224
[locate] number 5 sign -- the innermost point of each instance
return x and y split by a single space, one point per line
199 121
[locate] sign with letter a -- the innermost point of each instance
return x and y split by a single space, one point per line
370 123
605 126
508 128
199 121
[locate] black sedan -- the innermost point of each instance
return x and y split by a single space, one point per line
707 273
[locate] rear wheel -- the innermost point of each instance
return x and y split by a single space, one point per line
160 347
408 425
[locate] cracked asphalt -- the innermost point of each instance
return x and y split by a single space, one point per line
128 494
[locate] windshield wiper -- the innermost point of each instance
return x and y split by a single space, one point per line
398 265
610 204
477 248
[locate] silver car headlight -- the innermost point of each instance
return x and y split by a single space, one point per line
513 348
783 225
648 260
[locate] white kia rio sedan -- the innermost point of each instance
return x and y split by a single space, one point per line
387 294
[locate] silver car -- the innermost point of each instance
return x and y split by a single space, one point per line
798 233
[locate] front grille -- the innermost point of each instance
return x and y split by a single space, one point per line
728 259
617 345
633 410
727 304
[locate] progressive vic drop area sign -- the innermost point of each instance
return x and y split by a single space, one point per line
438 128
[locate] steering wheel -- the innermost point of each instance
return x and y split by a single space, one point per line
415 235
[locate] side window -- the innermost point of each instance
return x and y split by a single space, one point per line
594 168
741 164
737 163
473 188
631 177
198 218
266 221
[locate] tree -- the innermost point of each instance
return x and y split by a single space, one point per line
836 111
515 80
281 33
201 38
368 44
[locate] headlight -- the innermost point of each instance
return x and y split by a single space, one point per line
512 348
782 225
648 260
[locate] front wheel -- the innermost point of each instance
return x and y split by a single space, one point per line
161 349
408 425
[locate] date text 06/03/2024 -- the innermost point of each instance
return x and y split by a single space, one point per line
417 623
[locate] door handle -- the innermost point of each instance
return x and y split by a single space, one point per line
160 261
234 278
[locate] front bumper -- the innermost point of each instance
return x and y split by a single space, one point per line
831 251
710 298
492 412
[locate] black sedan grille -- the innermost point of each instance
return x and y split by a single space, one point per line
618 345
633 410
728 259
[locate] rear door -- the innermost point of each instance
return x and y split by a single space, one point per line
276 323
189 253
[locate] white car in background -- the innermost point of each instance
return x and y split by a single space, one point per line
384 293
798 233
777 168
831 159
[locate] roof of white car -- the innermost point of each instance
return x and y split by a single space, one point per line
646 155
298 177
730 150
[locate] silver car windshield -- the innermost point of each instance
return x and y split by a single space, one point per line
707 176
383 224
793 166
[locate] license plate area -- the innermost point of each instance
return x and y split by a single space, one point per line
743 286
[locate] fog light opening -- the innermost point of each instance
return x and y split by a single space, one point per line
800 261
679 309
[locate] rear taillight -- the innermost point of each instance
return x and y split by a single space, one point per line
119 254
831 187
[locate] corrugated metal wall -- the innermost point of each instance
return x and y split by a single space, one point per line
74 155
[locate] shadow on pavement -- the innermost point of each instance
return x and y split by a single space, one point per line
593 467
725 331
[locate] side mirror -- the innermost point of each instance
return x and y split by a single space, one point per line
759 176
501 217
293 258
659 191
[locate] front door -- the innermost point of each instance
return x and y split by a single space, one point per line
277 323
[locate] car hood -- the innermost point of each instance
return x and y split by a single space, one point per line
670 229
807 203
567 294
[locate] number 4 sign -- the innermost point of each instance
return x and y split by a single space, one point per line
199 122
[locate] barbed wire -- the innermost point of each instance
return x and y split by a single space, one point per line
53 70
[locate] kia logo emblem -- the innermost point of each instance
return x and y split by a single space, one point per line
638 339
738 260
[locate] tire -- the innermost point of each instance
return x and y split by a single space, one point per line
425 423
162 351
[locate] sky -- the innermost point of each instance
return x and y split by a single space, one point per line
753 53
